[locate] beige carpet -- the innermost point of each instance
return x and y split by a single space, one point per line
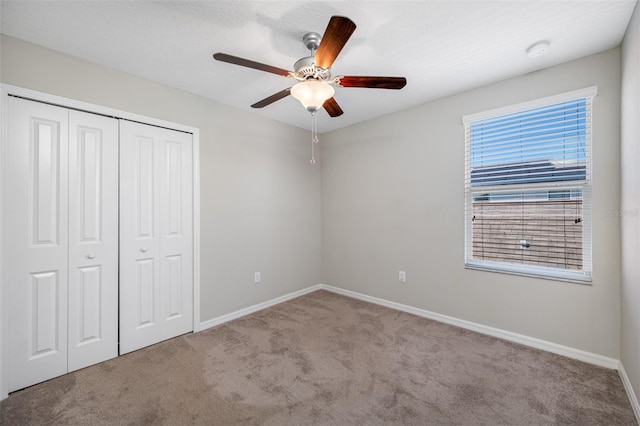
325 359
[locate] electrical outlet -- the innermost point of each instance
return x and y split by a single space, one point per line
402 276
257 278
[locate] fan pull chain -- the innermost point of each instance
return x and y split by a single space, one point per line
314 135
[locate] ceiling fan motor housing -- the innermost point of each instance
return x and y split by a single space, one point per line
305 69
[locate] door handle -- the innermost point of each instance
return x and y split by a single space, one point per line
143 249
91 256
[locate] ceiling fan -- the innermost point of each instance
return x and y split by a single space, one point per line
313 73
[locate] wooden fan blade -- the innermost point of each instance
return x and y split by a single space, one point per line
372 82
332 108
335 37
271 99
250 64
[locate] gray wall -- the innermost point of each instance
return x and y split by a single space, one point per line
260 198
630 207
393 199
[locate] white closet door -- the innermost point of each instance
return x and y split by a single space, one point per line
139 243
93 239
35 241
156 236
176 233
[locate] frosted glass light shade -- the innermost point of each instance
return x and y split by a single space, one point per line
312 94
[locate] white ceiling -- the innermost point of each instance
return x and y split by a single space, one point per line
441 47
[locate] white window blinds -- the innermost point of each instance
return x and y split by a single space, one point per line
528 188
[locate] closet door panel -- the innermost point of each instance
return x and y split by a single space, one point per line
176 233
93 239
156 235
35 241
139 243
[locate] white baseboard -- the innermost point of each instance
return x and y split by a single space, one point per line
555 348
255 308
633 399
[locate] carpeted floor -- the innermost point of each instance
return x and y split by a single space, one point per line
325 359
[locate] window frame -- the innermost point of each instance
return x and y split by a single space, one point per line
582 276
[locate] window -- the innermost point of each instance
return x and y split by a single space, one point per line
528 188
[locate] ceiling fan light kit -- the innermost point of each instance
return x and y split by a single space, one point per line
315 89
312 94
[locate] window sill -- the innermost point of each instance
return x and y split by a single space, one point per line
532 272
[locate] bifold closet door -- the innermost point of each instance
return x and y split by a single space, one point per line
93 239
59 221
36 241
156 235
